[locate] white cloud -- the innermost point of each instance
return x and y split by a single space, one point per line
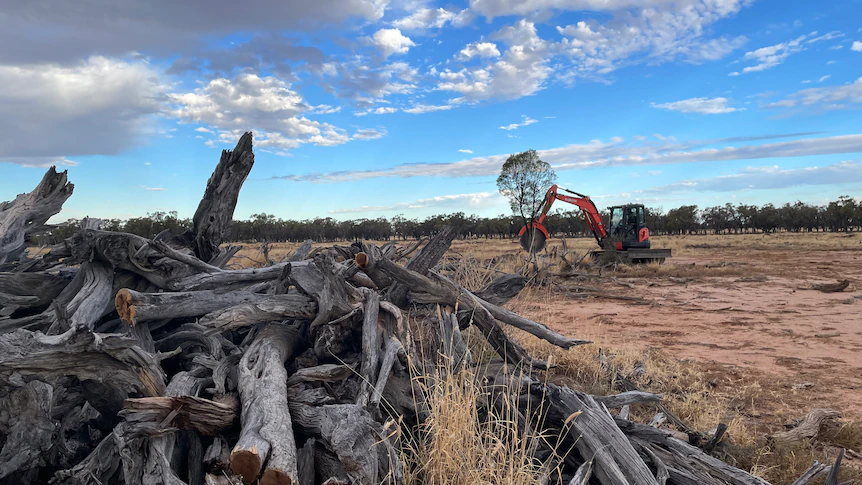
391 41
147 164
265 105
641 32
480 49
857 46
806 81
823 78
836 47
829 97
520 71
706 106
526 121
464 150
427 108
474 201
49 112
153 189
324 109
639 137
597 154
765 177
425 18
201 129
369 134
771 56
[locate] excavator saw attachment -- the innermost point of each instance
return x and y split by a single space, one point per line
533 235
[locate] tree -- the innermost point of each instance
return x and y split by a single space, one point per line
524 180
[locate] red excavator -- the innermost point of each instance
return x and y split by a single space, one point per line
628 229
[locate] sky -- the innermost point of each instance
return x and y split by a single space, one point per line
369 108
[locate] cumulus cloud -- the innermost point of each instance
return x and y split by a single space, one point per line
476 200
639 32
425 18
705 106
597 154
49 112
526 120
266 105
857 46
520 71
480 49
391 41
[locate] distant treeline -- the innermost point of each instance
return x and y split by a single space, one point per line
844 214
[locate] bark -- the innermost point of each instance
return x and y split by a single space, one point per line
267 432
153 416
29 212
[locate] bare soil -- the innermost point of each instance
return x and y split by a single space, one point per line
803 345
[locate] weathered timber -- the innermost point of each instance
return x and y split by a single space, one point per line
152 416
627 398
502 289
109 358
391 351
30 431
134 306
808 427
29 212
29 290
424 260
215 212
301 252
320 280
267 432
816 469
452 345
370 347
530 326
347 430
305 462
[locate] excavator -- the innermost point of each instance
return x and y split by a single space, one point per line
628 233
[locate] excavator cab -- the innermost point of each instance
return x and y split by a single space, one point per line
628 227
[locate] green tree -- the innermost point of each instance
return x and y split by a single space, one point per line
524 180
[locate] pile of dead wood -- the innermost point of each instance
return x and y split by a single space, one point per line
144 361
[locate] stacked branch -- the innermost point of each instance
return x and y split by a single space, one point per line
132 360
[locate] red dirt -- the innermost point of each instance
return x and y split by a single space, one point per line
805 344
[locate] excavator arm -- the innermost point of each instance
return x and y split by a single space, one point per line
536 234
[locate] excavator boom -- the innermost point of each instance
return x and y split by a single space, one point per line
535 234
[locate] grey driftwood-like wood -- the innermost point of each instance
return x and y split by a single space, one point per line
423 261
502 289
808 427
267 445
29 290
215 212
134 306
627 399
29 212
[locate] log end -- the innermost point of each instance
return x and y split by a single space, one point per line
277 477
246 463
125 308
361 260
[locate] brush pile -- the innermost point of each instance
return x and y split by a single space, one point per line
144 361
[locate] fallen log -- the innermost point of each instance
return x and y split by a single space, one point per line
808 428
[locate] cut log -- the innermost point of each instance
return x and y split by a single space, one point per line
153 416
267 437
29 212
134 306
808 428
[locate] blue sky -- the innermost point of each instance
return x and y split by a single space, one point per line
367 108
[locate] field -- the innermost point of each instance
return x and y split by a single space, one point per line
727 332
